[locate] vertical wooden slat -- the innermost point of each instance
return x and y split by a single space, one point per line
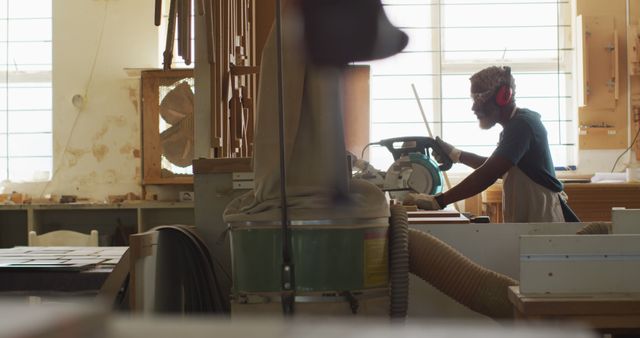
254 60
225 77
200 5
221 67
216 120
236 34
157 16
187 43
150 132
180 24
356 107
234 94
171 28
210 31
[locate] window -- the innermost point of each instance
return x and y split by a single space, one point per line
25 90
452 39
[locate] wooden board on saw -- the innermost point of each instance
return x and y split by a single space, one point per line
436 217
433 213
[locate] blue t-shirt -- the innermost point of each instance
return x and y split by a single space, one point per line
523 141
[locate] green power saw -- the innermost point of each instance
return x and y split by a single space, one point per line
413 170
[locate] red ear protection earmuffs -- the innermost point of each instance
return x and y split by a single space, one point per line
503 96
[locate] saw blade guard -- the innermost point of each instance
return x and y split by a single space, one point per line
413 173
399 146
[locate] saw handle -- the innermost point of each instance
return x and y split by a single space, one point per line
422 145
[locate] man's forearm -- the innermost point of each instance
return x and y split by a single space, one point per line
480 179
474 184
472 160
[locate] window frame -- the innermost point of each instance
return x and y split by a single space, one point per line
16 74
560 66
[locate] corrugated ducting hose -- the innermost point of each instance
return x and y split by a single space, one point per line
473 286
595 228
399 262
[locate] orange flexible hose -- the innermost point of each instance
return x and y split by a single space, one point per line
595 228
468 283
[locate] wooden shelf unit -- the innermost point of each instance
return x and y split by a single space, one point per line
17 220
592 202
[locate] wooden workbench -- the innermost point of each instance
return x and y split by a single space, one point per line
46 270
592 202
610 313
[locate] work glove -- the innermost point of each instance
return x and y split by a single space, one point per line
422 201
449 150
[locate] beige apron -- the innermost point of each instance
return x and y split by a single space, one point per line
525 201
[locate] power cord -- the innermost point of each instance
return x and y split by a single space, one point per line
626 150
85 94
366 147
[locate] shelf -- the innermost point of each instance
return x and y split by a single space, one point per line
17 220
168 180
597 131
76 206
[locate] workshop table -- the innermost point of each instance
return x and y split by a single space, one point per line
53 270
607 313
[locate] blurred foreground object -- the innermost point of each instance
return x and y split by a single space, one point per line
338 32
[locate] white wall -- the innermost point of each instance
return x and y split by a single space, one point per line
591 161
103 152
97 148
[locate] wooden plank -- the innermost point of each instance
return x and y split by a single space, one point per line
608 313
439 220
237 39
473 205
140 246
222 165
170 180
150 134
433 213
582 93
356 108
493 194
611 304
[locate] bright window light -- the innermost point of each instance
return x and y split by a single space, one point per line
25 89
452 39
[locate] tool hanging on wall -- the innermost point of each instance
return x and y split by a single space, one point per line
180 18
232 62
168 50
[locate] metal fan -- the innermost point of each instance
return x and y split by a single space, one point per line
176 109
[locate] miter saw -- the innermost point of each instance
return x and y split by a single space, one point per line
413 170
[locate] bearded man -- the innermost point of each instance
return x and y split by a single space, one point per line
531 191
